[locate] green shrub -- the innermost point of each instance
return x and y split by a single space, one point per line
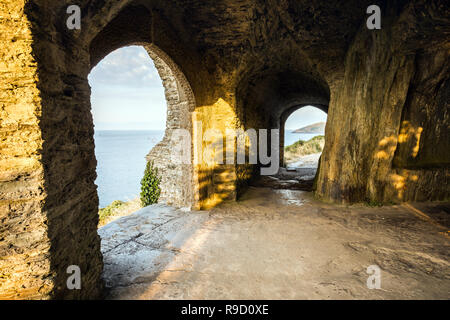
373 203
109 211
303 148
150 190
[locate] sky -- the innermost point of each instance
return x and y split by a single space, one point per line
305 116
127 94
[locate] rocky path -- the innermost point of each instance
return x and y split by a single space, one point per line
308 161
278 244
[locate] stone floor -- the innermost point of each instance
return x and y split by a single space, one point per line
278 244
298 175
288 178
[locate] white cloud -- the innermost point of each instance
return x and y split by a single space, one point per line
129 66
126 91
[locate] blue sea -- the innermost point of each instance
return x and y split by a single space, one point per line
291 137
121 161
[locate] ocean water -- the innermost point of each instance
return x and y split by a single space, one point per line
291 137
121 161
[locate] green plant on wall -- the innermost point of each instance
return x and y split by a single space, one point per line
150 190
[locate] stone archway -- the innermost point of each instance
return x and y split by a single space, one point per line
283 118
59 205
179 186
271 95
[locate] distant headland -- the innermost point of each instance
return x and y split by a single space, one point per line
318 127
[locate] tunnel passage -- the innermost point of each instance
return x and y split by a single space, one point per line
64 217
270 96
387 127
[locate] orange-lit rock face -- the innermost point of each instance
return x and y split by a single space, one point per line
24 244
236 64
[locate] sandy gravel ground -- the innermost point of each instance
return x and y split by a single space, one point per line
278 244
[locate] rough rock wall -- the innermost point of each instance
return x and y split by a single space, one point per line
71 203
24 245
49 213
385 104
216 178
422 157
178 185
